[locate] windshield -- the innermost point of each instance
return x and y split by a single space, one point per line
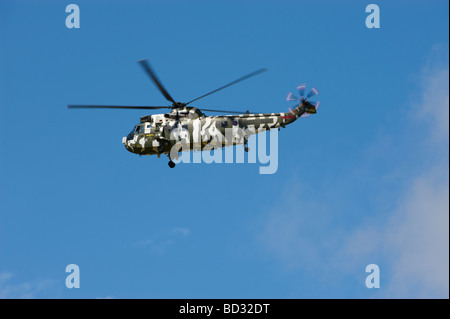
139 129
130 135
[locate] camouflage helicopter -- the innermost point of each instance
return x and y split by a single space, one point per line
188 126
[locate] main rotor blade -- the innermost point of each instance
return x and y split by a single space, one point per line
116 107
155 79
231 83
221 111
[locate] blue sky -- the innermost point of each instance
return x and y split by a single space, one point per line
365 181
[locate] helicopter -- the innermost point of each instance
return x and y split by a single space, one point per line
188 128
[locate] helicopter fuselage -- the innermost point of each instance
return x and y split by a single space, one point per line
158 133
187 128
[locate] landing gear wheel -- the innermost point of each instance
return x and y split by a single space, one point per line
171 164
160 148
246 148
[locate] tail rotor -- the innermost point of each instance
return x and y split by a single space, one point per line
311 106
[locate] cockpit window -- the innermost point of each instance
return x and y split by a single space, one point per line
139 129
130 136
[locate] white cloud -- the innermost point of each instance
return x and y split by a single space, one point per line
418 240
434 100
22 290
294 231
161 241
418 233
184 232
412 240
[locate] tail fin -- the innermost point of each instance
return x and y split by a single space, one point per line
309 108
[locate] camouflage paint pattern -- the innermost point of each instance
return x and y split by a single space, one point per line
157 134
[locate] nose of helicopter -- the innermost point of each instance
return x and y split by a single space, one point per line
127 146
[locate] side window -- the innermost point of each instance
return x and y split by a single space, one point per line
147 128
224 123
